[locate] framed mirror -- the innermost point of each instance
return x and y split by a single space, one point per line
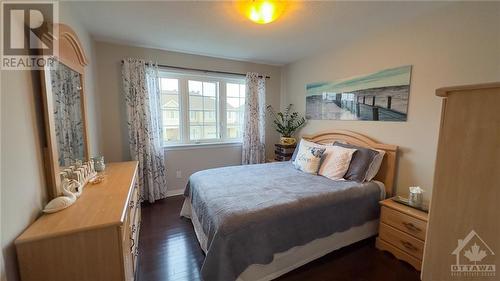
64 107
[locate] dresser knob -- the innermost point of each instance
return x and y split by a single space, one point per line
132 244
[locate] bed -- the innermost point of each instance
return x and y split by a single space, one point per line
258 222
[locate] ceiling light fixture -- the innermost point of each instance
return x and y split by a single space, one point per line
262 11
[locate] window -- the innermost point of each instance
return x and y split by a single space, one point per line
201 108
170 109
235 108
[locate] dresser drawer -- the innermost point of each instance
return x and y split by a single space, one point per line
402 255
133 205
401 240
135 237
134 198
404 222
130 215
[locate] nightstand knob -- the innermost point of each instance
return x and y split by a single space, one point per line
411 226
408 245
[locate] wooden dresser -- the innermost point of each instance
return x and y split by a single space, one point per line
402 232
94 239
463 239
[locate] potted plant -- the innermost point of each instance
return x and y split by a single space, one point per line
286 123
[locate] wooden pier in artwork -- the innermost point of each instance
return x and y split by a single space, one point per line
375 104
365 108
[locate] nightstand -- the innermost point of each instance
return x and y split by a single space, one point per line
402 232
283 152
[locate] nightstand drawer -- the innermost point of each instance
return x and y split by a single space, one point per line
404 222
401 240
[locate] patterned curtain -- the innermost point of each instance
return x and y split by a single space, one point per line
142 96
254 125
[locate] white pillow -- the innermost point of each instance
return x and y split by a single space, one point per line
374 165
336 162
307 143
308 157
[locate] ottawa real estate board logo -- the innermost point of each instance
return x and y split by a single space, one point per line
474 258
28 33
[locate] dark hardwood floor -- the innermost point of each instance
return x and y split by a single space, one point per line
169 251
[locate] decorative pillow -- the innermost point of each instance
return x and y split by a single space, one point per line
308 158
360 162
336 162
375 165
305 142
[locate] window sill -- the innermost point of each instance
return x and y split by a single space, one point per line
202 145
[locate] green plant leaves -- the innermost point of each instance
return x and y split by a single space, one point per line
286 123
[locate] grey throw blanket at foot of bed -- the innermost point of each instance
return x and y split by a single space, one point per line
249 213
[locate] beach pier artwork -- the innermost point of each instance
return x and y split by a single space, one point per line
380 96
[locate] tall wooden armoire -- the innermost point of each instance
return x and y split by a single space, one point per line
463 235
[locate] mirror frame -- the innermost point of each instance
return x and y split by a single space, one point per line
71 54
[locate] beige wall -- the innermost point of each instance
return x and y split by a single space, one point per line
23 182
459 44
114 120
190 160
23 191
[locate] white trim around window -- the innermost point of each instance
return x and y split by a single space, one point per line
195 109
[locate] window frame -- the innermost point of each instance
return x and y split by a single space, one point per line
183 78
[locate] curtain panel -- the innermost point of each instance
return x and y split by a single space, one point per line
142 96
254 126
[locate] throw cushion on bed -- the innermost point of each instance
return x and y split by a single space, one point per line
308 158
336 162
375 165
302 143
360 162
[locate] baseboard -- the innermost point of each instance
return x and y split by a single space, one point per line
175 192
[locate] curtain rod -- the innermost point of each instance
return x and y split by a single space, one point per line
204 70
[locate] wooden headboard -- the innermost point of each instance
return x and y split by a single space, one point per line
387 170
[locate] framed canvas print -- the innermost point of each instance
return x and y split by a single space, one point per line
379 96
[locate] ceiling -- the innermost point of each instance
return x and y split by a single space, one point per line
215 28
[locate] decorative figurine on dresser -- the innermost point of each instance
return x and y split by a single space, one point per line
88 231
73 180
